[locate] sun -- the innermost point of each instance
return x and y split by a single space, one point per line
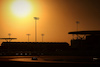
21 8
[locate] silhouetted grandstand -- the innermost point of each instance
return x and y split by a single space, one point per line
87 43
34 47
86 39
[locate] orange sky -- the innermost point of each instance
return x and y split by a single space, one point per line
57 18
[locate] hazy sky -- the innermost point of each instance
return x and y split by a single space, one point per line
57 18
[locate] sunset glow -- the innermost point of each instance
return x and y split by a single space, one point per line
57 18
50 32
21 8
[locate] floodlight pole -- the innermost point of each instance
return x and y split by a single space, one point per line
36 18
35 31
28 36
9 35
77 22
42 37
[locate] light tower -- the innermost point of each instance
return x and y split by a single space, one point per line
28 36
42 36
36 18
9 35
77 22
